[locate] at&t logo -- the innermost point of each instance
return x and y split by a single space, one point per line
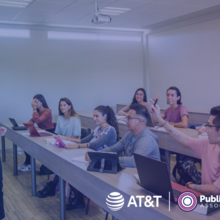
115 201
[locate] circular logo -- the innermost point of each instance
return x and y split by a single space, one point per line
115 201
187 201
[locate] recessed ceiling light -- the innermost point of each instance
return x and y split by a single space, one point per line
124 9
114 11
15 3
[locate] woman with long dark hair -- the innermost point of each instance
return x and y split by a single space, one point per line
43 118
105 135
140 97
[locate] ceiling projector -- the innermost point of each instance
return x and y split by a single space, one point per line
100 18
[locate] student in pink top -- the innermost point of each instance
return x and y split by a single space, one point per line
177 114
208 149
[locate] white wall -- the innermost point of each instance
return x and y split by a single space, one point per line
189 58
90 73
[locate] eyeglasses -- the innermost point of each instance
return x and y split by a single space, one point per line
211 126
139 94
129 117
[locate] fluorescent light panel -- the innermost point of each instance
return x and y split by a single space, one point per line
71 36
16 33
15 3
119 38
91 36
114 11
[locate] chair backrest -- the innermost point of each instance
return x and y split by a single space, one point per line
84 132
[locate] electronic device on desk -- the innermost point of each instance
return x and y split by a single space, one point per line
104 162
154 177
33 131
58 140
16 126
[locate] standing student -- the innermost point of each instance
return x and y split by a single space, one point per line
2 211
43 118
208 149
176 114
140 97
103 136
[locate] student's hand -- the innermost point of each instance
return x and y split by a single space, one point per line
3 131
34 104
155 110
87 158
154 99
71 146
30 122
61 137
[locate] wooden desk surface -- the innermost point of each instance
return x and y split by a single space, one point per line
97 185
195 117
165 140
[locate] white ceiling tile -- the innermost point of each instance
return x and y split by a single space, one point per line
43 5
86 20
8 13
35 15
64 19
157 7
131 16
78 8
185 9
152 19
205 3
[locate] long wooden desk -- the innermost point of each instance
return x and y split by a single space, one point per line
195 117
96 186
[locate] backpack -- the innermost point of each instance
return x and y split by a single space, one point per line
44 171
187 171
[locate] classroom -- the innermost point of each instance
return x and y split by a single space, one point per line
101 53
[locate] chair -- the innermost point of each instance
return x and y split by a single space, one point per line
84 132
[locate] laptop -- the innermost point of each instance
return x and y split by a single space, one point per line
154 177
33 131
16 125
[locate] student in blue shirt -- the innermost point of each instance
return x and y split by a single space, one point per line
68 125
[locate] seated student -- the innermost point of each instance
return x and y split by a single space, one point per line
2 211
140 97
104 135
176 113
139 139
208 149
43 118
68 124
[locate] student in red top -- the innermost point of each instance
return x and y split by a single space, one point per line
43 118
207 149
